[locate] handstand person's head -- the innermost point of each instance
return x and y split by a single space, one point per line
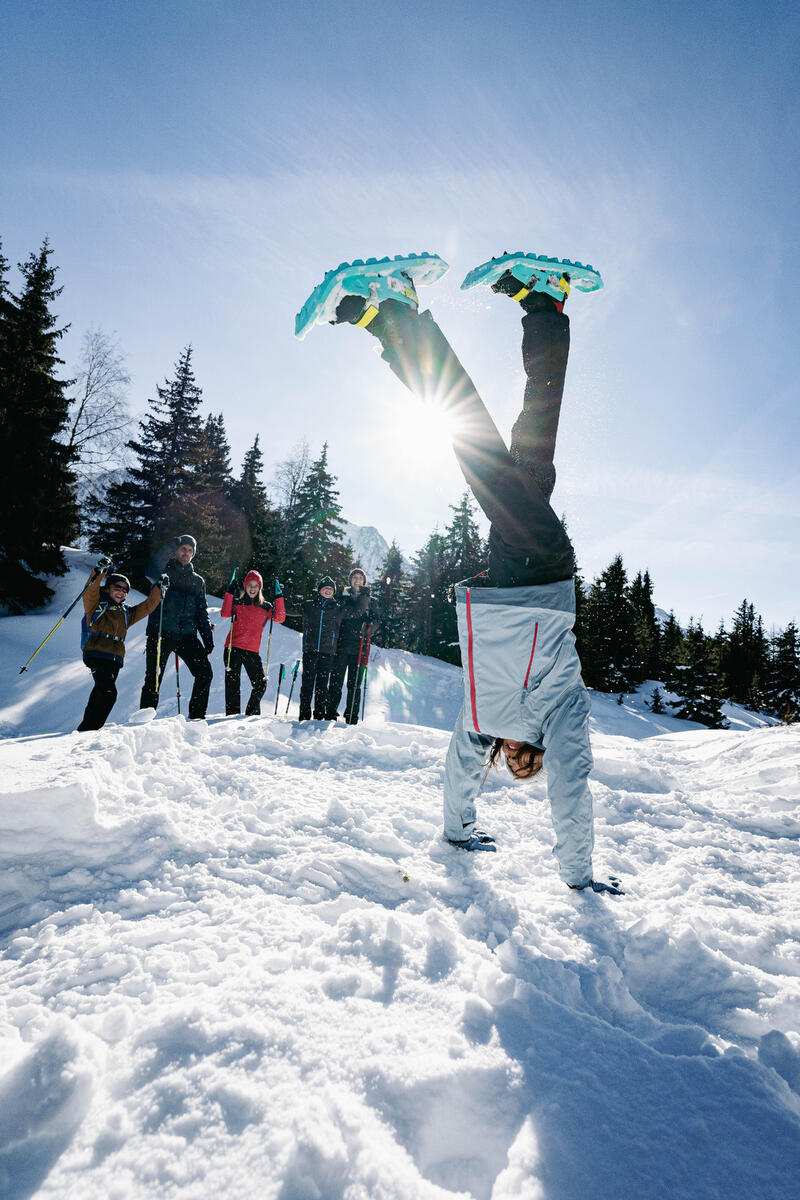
522 759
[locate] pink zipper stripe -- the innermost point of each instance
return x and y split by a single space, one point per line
471 663
533 651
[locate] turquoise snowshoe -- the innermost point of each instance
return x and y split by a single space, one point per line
374 280
536 273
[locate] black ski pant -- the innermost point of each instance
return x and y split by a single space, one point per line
316 683
189 650
346 665
527 542
103 695
251 661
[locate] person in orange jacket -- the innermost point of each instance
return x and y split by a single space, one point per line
103 629
250 613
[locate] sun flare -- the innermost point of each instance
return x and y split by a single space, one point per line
419 430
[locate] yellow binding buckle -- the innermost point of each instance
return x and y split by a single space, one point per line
563 285
368 316
521 294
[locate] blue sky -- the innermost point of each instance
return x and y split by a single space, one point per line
197 167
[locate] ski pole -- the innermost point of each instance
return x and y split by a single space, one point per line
278 592
358 675
281 673
178 682
233 618
291 689
366 667
102 565
158 645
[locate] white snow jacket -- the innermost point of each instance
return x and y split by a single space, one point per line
522 680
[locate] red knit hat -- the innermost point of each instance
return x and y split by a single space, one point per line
253 577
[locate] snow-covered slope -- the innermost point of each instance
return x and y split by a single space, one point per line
239 961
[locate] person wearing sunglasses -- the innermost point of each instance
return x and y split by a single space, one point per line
105 624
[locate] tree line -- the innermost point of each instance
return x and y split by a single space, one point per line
174 475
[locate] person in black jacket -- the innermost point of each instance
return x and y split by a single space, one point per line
357 621
321 620
185 627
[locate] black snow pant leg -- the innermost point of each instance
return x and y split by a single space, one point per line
190 651
149 696
307 685
251 661
527 542
102 696
352 709
316 684
545 351
233 682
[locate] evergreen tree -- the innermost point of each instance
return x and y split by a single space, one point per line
213 472
37 490
656 701
671 646
429 600
208 511
391 591
250 496
783 681
464 548
698 684
150 506
609 651
645 629
744 657
315 530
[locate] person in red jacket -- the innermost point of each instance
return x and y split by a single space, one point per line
250 613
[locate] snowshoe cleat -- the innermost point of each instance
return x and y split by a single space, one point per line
368 283
519 275
613 886
478 840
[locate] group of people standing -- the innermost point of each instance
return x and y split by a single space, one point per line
334 632
337 631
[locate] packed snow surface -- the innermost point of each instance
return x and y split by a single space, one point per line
239 961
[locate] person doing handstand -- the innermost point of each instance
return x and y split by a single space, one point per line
525 701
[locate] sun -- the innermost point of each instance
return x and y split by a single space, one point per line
419 430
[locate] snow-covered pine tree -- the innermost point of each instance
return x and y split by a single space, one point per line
315 547
209 512
698 684
671 647
428 597
645 629
134 518
37 483
609 649
390 589
250 496
783 677
744 657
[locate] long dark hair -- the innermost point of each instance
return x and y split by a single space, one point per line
527 761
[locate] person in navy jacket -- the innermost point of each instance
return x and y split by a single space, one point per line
322 618
250 613
184 625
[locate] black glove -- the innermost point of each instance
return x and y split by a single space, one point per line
208 642
163 583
